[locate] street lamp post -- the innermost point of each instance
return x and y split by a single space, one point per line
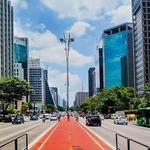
67 42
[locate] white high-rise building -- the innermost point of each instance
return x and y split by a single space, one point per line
34 63
18 71
36 80
6 38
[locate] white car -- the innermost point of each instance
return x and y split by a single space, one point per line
53 118
121 120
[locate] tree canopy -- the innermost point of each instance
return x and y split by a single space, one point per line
13 89
109 100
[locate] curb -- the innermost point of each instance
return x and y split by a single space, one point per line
99 137
41 135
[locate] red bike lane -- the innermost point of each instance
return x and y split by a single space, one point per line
70 135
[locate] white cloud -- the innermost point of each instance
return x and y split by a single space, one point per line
58 78
45 46
20 3
85 9
121 14
80 28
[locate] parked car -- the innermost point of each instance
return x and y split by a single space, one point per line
121 120
113 116
34 116
102 117
46 116
17 119
53 118
107 116
93 120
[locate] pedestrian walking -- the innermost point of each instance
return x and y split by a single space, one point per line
68 116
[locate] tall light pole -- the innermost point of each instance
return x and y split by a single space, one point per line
67 41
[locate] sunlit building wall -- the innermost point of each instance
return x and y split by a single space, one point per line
141 26
6 38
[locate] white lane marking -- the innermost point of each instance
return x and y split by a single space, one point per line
99 136
18 125
92 138
41 135
48 137
17 133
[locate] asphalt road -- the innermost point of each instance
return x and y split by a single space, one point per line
108 131
34 129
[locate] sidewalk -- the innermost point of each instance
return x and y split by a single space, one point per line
70 135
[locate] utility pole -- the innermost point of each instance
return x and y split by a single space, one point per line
67 41
82 86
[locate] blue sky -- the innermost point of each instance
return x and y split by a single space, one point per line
44 21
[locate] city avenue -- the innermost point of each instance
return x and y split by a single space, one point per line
107 132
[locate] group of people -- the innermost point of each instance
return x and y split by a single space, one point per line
76 117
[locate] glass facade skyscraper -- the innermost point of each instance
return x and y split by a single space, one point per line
118 56
21 54
141 22
99 70
92 81
6 38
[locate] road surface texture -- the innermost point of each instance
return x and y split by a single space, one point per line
34 129
70 135
108 131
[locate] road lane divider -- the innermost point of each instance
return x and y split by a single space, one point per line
55 127
95 136
14 135
42 139
16 126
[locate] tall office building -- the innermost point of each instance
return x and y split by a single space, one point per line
92 81
118 56
54 92
36 80
141 26
80 98
64 104
18 71
34 62
20 54
6 38
99 70
47 92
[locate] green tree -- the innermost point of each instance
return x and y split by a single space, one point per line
109 100
12 90
61 108
145 97
24 107
49 108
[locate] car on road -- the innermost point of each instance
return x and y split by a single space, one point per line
46 116
34 116
121 120
113 116
102 117
17 119
93 120
53 118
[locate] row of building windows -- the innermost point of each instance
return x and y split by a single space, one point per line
146 4
146 9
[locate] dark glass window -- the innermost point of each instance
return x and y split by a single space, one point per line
144 3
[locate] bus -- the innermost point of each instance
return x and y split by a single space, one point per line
143 116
